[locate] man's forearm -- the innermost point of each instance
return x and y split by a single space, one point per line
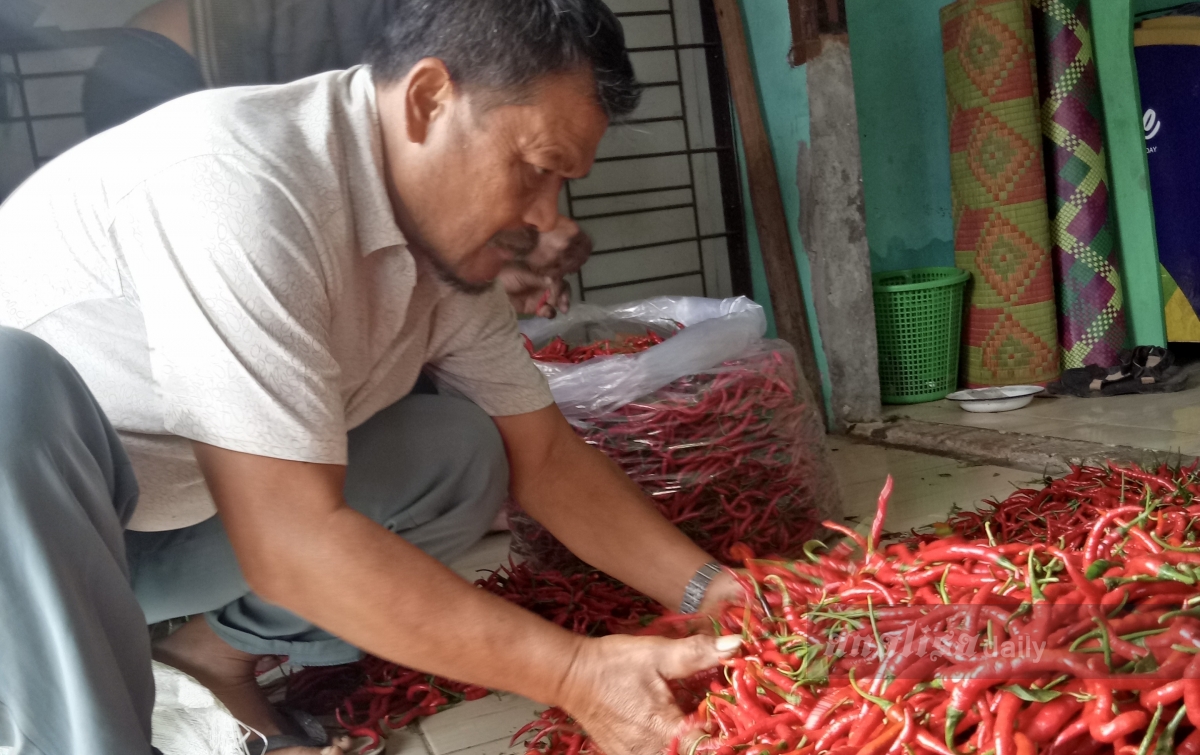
589 504
380 593
302 548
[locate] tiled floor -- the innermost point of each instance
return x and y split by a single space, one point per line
1166 422
926 487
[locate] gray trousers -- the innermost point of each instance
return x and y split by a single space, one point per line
76 590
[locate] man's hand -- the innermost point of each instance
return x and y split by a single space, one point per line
722 590
535 284
534 294
617 688
562 251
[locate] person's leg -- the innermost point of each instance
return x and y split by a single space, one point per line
75 671
432 469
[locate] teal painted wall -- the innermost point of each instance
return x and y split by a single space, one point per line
783 93
900 87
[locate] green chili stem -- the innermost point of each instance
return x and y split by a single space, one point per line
1144 749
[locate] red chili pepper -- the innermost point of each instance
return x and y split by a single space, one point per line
1090 550
1006 716
882 743
1190 744
1191 691
1053 718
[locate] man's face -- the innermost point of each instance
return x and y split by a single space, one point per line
475 193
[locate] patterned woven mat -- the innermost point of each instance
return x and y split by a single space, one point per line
1091 318
1001 220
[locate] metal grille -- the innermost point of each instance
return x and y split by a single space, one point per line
41 80
664 201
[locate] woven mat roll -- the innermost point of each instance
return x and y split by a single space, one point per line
1091 318
1001 220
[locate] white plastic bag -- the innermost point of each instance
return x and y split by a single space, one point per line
189 720
715 331
716 425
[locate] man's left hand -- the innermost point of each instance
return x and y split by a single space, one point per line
535 294
535 284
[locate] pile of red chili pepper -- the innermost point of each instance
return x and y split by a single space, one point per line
372 695
587 603
735 454
1065 509
1084 640
560 352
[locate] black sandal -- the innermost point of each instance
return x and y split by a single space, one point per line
1146 369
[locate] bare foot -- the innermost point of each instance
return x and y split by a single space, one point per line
229 673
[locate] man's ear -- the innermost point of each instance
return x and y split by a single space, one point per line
429 89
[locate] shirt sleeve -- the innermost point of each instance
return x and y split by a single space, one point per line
227 273
483 356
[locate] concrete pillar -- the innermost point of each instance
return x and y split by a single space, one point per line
834 229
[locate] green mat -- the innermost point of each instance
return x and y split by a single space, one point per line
1001 219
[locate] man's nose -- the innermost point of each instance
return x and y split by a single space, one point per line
543 212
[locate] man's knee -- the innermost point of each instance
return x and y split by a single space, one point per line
478 448
425 457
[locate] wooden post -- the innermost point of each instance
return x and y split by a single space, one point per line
783 276
806 31
810 20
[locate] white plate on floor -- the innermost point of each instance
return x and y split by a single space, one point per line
1002 399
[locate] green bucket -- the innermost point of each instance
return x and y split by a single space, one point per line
918 317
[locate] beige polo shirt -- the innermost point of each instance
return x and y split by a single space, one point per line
227 269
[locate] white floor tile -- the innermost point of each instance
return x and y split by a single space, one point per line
488 554
856 462
501 746
921 497
1167 422
407 741
478 723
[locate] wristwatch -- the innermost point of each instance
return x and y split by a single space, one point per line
693 594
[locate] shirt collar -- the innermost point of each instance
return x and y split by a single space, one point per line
374 218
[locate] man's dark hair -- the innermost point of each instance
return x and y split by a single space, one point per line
506 46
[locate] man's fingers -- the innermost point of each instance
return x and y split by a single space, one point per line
576 253
551 297
683 658
690 736
564 296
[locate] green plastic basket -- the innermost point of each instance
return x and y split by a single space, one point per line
918 316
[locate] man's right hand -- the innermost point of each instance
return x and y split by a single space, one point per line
617 688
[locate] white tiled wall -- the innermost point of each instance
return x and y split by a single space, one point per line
670 238
52 99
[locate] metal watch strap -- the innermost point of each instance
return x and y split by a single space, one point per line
693 594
